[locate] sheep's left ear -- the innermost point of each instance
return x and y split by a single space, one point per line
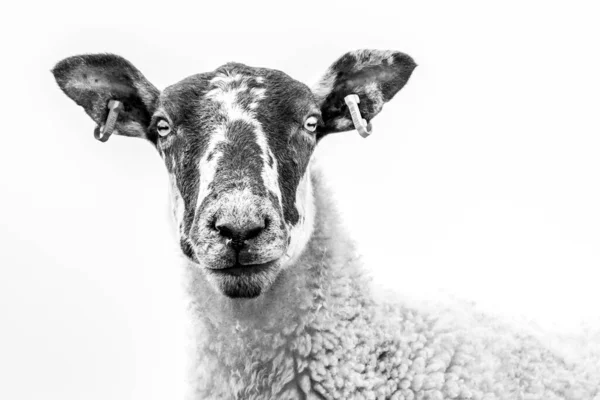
374 75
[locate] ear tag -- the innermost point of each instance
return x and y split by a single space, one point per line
104 133
360 124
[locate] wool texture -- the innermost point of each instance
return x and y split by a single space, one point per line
320 332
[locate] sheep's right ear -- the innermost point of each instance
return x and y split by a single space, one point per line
93 80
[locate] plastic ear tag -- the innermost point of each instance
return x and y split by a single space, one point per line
360 124
104 132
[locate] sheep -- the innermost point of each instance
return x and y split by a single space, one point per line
280 304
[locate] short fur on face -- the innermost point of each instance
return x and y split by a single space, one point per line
237 147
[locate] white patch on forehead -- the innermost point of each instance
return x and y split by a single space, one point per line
224 79
228 98
225 91
302 231
258 93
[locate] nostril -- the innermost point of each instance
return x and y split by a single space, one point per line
225 231
240 233
254 232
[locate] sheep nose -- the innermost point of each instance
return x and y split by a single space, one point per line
239 233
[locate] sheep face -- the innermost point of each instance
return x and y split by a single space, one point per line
238 149
237 144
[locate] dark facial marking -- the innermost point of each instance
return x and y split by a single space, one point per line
281 114
240 165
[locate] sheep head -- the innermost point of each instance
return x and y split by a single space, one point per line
237 143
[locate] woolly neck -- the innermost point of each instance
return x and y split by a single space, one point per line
245 335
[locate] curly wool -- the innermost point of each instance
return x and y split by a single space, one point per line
319 333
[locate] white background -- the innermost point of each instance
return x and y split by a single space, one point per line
481 177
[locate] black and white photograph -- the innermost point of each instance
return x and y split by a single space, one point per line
315 200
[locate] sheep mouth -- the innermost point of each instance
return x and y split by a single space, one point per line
243 270
244 281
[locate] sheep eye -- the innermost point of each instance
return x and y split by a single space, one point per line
311 124
163 128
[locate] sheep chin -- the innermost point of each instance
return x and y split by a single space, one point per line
244 281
